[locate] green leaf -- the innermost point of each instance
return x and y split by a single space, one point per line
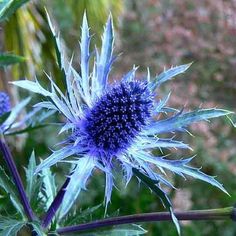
88 212
9 187
34 186
8 7
153 186
10 227
80 216
4 200
31 179
49 186
7 59
160 193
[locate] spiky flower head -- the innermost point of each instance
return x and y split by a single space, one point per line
109 123
116 118
5 104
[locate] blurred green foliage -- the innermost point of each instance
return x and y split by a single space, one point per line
7 59
27 33
8 7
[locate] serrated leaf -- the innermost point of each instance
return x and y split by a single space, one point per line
89 211
182 120
105 59
79 216
153 186
49 186
59 48
130 75
169 74
32 86
162 103
15 113
78 180
84 47
10 227
62 103
55 157
42 116
31 179
181 168
7 59
150 142
9 187
8 7
160 193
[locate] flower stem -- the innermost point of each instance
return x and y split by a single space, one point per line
212 214
16 178
55 204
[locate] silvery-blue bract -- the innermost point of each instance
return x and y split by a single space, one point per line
9 115
115 124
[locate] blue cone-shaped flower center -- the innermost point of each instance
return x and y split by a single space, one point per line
118 116
5 104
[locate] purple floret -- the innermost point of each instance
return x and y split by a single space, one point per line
5 104
118 116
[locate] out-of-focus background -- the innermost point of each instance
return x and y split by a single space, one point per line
149 33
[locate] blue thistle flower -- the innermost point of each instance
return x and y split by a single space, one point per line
116 118
5 104
109 123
